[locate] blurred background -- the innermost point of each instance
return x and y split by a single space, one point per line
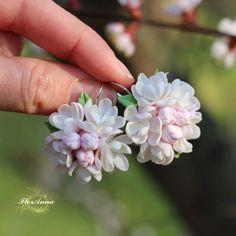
195 195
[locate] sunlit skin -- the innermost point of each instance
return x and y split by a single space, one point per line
35 86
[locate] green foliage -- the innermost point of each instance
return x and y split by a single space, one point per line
127 100
83 98
177 155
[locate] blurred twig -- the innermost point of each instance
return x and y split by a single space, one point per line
105 16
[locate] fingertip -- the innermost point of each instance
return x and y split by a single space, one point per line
99 60
128 78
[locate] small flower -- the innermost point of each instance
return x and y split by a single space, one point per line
228 26
225 49
162 154
112 153
132 6
165 118
102 119
122 37
67 116
143 125
149 91
87 140
184 8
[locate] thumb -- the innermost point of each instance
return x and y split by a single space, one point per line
40 87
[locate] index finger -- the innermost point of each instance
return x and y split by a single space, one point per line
63 35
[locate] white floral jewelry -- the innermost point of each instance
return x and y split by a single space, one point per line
87 138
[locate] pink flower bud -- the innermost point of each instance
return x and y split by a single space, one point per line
166 114
183 117
72 141
89 141
171 133
85 158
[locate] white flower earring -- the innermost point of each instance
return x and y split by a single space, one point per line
89 137
86 138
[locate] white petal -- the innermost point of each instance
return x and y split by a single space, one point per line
121 162
183 146
139 139
148 92
125 149
162 154
155 125
197 117
144 154
57 120
77 111
55 157
142 78
70 126
106 158
72 168
94 115
192 132
131 113
154 138
65 110
86 126
98 176
124 139
93 169
119 122
140 100
83 175
115 145
160 83
113 133
88 105
157 156
58 146
143 157
143 130
120 147
54 136
69 161
132 128
181 88
106 109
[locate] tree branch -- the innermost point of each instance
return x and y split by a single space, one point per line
105 16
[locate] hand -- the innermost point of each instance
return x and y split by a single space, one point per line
36 86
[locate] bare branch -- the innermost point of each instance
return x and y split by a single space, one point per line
107 17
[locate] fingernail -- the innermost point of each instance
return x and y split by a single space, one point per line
126 71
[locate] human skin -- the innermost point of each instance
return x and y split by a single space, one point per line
34 86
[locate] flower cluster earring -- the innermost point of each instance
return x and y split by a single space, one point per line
90 137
